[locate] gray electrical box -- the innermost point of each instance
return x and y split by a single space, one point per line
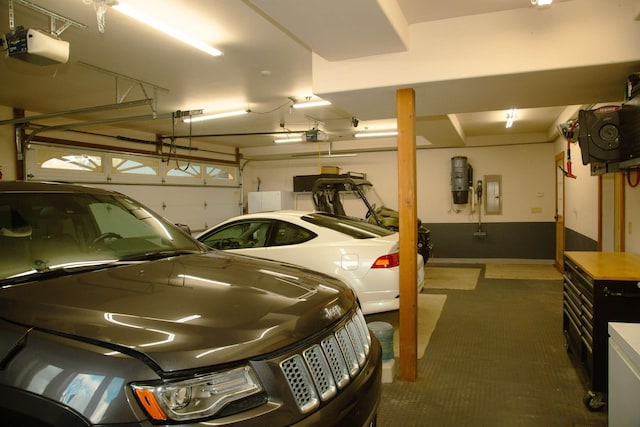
493 194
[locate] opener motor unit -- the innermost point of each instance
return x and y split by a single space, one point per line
36 47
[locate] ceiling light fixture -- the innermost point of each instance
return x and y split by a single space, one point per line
160 26
541 3
375 134
328 155
512 115
310 104
288 139
215 116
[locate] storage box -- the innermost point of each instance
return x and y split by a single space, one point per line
330 169
304 183
388 371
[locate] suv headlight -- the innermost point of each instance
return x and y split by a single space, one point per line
198 397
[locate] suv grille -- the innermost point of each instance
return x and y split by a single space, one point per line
319 371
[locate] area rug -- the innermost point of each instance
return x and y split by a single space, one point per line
429 310
451 278
522 271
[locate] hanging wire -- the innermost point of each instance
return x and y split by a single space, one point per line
186 168
272 110
172 138
176 115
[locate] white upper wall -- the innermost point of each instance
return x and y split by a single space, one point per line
581 196
527 173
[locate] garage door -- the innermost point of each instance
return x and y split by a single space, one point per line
198 194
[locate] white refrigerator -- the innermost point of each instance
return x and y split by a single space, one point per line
265 201
624 374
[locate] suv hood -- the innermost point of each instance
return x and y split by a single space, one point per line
184 312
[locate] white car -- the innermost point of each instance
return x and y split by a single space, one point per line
363 255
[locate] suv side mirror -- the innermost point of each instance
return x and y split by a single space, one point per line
184 228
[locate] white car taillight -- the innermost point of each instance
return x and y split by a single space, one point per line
387 261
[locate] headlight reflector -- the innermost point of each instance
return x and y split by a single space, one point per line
198 397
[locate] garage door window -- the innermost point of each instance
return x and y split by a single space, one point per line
68 160
47 162
186 171
220 172
135 166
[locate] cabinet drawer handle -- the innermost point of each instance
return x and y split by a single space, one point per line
621 294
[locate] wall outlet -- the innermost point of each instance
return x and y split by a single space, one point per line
536 210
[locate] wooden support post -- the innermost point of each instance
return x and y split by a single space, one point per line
408 223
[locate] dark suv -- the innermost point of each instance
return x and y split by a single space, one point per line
111 315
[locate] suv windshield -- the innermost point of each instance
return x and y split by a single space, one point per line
353 227
40 232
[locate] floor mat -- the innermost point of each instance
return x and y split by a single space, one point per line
497 357
451 278
429 310
522 271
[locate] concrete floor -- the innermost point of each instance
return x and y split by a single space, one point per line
497 357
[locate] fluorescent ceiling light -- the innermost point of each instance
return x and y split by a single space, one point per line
324 156
215 116
512 115
160 26
288 139
375 134
310 104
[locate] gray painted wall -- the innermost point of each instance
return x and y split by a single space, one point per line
519 240
574 241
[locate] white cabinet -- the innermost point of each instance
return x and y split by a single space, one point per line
624 374
265 201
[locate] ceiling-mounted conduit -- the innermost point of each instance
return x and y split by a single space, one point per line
22 120
108 107
98 122
70 127
149 142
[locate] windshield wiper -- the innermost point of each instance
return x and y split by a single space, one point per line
42 271
148 256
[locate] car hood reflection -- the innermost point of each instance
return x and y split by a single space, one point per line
190 311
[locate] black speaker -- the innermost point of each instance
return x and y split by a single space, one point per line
599 135
630 130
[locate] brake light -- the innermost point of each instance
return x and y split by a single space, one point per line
387 261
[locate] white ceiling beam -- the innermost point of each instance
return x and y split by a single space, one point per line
338 29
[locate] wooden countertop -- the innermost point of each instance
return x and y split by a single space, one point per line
607 265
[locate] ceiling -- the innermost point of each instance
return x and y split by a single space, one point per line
468 62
